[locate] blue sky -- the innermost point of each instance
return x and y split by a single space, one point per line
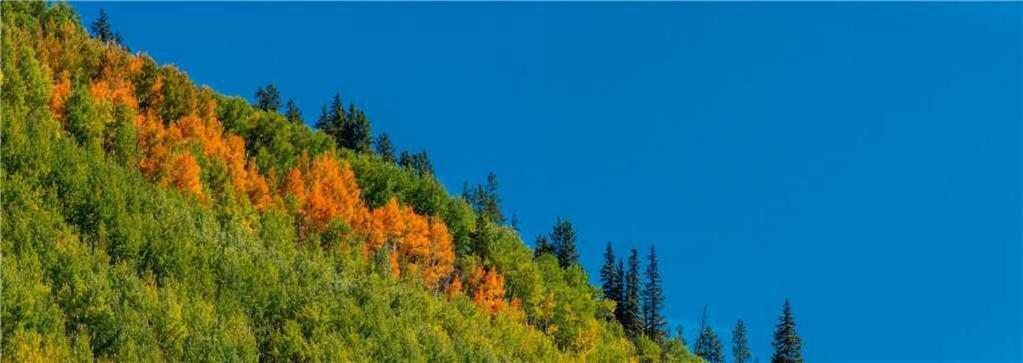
862 160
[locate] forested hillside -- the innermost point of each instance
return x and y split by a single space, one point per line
146 218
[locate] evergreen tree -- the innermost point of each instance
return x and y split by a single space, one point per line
405 160
293 114
680 334
708 346
384 148
543 246
787 344
609 277
421 163
480 237
101 29
563 238
332 120
620 276
493 200
356 133
654 324
268 98
632 319
485 200
740 347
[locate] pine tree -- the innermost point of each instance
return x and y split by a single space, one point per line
356 133
268 98
405 160
631 315
332 120
543 246
101 29
563 238
740 347
787 344
421 163
654 324
384 148
293 114
620 277
492 206
708 346
485 200
609 277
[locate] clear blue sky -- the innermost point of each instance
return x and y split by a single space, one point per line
862 160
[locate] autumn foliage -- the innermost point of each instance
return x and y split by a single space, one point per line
179 137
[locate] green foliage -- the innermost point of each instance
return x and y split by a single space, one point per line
101 264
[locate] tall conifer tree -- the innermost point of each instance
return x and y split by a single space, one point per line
293 114
654 324
632 319
385 149
787 345
543 246
563 238
708 346
268 98
740 346
609 277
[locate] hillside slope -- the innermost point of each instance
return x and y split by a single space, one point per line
148 219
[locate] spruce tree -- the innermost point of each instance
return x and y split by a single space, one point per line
332 120
421 164
293 114
101 29
405 160
492 205
268 98
543 247
632 319
356 133
680 334
563 238
654 324
740 346
620 277
609 277
787 344
384 148
708 346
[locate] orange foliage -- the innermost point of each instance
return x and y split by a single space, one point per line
114 81
186 176
324 188
331 192
424 242
488 285
454 287
61 92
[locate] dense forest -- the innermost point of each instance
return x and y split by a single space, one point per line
146 218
